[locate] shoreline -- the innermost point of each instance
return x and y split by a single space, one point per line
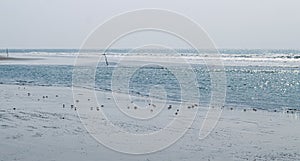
3 58
287 110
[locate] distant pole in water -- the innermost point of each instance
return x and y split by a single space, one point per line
6 52
105 59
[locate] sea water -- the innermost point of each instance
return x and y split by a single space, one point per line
266 87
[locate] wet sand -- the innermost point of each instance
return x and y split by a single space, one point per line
41 123
3 58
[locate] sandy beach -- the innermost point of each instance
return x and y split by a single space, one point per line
39 123
22 59
149 81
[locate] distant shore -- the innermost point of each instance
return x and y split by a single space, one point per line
15 58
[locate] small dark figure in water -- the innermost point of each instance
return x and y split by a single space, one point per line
98 109
77 101
14 108
63 105
189 107
135 107
56 96
254 109
177 110
128 107
88 99
170 106
176 113
151 110
231 108
102 105
72 106
244 110
46 96
28 94
75 108
91 108
43 96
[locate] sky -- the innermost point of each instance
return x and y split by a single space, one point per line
229 23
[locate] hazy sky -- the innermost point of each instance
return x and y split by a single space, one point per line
230 23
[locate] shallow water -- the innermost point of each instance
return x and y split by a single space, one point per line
250 86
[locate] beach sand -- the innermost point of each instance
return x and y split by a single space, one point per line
5 59
38 123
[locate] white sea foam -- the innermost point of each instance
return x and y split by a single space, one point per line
236 59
